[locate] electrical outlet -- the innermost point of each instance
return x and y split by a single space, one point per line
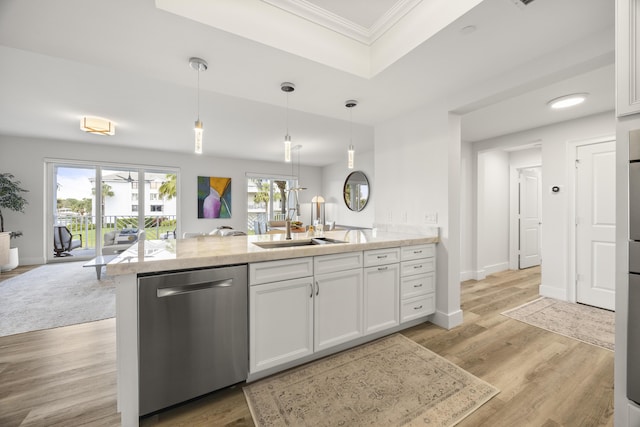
431 217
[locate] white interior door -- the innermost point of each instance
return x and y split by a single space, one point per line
530 217
595 224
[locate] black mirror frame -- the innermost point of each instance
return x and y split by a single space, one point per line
344 191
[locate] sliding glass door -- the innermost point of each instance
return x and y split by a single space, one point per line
99 209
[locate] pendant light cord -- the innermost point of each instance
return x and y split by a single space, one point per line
198 97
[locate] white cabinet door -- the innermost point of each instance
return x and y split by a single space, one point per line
381 297
338 308
280 322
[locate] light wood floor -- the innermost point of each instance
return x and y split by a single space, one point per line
66 376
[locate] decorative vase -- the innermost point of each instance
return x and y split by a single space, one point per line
13 260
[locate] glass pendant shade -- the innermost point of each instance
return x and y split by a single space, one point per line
351 156
198 136
287 148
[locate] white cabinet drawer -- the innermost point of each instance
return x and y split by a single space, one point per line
418 251
413 286
339 262
275 271
381 256
419 266
414 308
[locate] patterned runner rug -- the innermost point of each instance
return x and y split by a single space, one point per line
582 322
389 382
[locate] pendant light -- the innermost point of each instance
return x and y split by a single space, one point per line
198 64
287 88
352 151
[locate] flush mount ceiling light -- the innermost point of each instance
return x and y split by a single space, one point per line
97 126
287 88
567 101
351 153
198 64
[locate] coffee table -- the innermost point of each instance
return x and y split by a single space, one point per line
99 262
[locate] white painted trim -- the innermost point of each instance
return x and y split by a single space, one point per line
467 275
448 320
514 228
572 148
481 275
495 268
553 292
627 74
320 16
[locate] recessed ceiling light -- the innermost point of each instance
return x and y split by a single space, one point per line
97 125
567 101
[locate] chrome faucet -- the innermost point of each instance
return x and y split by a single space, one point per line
288 223
292 210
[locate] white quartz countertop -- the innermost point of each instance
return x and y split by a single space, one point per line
210 251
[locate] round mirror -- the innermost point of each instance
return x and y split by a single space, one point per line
356 191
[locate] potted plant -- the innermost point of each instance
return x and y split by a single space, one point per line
10 198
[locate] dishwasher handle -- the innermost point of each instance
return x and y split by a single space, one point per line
193 287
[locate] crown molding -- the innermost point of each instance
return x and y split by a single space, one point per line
313 13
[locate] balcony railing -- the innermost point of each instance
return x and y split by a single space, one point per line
155 227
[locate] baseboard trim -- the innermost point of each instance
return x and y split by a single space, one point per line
553 292
495 268
32 261
467 275
447 320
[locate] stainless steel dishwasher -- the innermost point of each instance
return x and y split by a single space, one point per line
193 336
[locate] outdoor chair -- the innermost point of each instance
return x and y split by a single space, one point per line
63 241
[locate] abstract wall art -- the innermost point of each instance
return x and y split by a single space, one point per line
214 197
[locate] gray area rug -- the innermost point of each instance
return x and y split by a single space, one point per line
54 295
582 322
390 382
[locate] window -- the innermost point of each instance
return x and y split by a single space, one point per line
156 208
134 185
265 197
153 196
134 197
154 185
134 208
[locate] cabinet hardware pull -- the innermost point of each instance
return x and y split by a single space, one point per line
417 252
382 268
311 285
417 266
418 286
417 308
317 288
382 256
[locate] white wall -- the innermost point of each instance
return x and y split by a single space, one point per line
333 177
555 140
417 165
467 206
25 157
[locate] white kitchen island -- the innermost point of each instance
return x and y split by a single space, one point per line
380 275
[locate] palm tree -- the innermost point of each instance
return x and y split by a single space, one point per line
168 188
282 186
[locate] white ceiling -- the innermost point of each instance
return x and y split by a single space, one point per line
128 61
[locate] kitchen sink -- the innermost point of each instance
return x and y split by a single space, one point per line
295 243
